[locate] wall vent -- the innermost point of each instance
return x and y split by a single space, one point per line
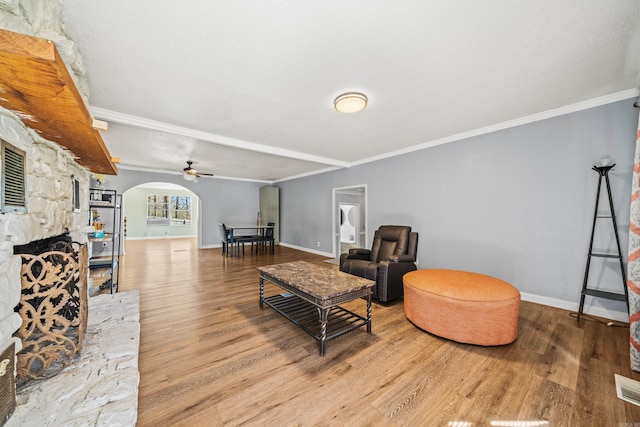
14 187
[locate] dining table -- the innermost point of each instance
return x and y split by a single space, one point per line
258 238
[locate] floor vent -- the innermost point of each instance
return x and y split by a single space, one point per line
628 389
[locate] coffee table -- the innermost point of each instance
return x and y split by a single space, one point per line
312 298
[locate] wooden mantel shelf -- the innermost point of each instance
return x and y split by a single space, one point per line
36 85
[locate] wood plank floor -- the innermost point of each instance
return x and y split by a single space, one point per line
209 356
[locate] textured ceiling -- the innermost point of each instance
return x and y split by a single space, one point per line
246 88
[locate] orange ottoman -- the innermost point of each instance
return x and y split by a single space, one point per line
461 306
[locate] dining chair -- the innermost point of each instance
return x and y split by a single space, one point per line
228 242
267 238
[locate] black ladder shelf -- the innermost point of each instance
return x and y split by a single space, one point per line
603 172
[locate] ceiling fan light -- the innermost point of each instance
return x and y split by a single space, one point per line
188 176
350 102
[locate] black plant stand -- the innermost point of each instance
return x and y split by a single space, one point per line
603 172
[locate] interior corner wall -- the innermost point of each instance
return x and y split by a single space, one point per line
221 200
516 204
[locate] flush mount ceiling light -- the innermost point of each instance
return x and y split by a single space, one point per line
351 102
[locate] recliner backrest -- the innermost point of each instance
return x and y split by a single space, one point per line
412 249
390 240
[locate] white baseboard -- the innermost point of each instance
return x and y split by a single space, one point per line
287 245
159 237
217 245
619 316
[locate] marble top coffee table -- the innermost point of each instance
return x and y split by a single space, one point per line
312 298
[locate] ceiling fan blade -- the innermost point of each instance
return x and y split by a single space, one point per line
205 174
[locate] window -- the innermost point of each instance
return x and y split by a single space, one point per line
168 210
14 185
157 210
180 210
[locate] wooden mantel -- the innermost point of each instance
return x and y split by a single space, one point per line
36 85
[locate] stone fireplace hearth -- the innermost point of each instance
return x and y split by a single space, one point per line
101 387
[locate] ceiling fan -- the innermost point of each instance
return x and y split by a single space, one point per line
191 174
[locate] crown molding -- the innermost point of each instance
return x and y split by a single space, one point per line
140 122
337 164
170 172
568 109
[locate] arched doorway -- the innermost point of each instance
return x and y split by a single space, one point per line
160 210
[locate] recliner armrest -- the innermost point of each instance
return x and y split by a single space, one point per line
401 258
359 253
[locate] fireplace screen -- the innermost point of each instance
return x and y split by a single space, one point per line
53 307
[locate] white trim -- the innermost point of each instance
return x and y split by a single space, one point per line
170 172
584 105
339 164
300 248
538 299
303 175
141 122
217 245
161 237
573 306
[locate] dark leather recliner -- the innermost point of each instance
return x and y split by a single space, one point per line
393 254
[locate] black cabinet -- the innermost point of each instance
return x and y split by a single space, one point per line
105 217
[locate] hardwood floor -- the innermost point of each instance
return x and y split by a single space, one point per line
209 356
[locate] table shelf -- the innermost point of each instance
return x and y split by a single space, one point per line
305 315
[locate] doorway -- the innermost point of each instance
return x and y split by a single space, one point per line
349 218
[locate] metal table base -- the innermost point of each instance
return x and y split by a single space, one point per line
322 321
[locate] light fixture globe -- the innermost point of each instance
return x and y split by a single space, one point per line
188 176
351 102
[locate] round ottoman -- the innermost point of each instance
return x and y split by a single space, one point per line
461 306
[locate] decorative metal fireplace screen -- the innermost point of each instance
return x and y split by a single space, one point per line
53 306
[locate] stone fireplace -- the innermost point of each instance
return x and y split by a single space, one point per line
43 114
50 173
50 213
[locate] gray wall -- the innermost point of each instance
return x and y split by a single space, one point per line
516 204
228 201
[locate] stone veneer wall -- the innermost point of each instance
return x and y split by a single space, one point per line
49 167
50 212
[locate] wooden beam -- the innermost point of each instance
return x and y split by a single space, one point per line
36 86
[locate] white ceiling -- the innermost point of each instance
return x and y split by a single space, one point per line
245 89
